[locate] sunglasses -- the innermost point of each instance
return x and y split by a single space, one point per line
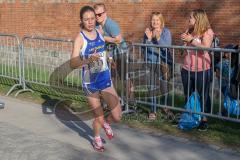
100 14
156 13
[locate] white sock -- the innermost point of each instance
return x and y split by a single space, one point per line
105 124
97 137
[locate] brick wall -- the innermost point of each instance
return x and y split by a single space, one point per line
60 18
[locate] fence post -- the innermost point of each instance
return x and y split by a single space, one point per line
19 66
22 67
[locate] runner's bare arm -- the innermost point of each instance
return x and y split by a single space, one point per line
76 60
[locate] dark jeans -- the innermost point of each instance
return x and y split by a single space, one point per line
197 81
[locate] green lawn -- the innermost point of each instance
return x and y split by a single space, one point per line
222 133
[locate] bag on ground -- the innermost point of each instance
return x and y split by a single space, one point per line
191 120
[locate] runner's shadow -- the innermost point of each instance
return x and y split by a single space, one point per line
48 104
64 115
62 108
72 120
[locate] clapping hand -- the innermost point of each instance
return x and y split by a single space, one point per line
149 34
186 37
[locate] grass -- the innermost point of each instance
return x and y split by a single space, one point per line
41 94
41 74
222 133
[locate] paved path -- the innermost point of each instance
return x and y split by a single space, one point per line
28 133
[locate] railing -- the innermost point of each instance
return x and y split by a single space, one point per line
138 79
47 62
154 88
10 66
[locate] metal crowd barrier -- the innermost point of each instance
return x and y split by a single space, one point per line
46 62
117 54
10 67
152 89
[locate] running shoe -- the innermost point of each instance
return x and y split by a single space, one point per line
108 130
97 144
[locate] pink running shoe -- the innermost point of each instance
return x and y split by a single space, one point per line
108 130
97 144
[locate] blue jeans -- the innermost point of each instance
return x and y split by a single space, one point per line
202 77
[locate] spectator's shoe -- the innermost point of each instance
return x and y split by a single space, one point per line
169 114
1 105
152 116
224 113
108 130
203 126
97 144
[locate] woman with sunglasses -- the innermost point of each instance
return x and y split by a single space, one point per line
197 64
159 60
89 54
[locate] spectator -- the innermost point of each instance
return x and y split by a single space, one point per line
160 35
226 71
109 28
198 34
227 64
112 34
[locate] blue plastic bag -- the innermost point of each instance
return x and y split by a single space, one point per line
190 120
231 105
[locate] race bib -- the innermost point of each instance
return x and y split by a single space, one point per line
100 65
